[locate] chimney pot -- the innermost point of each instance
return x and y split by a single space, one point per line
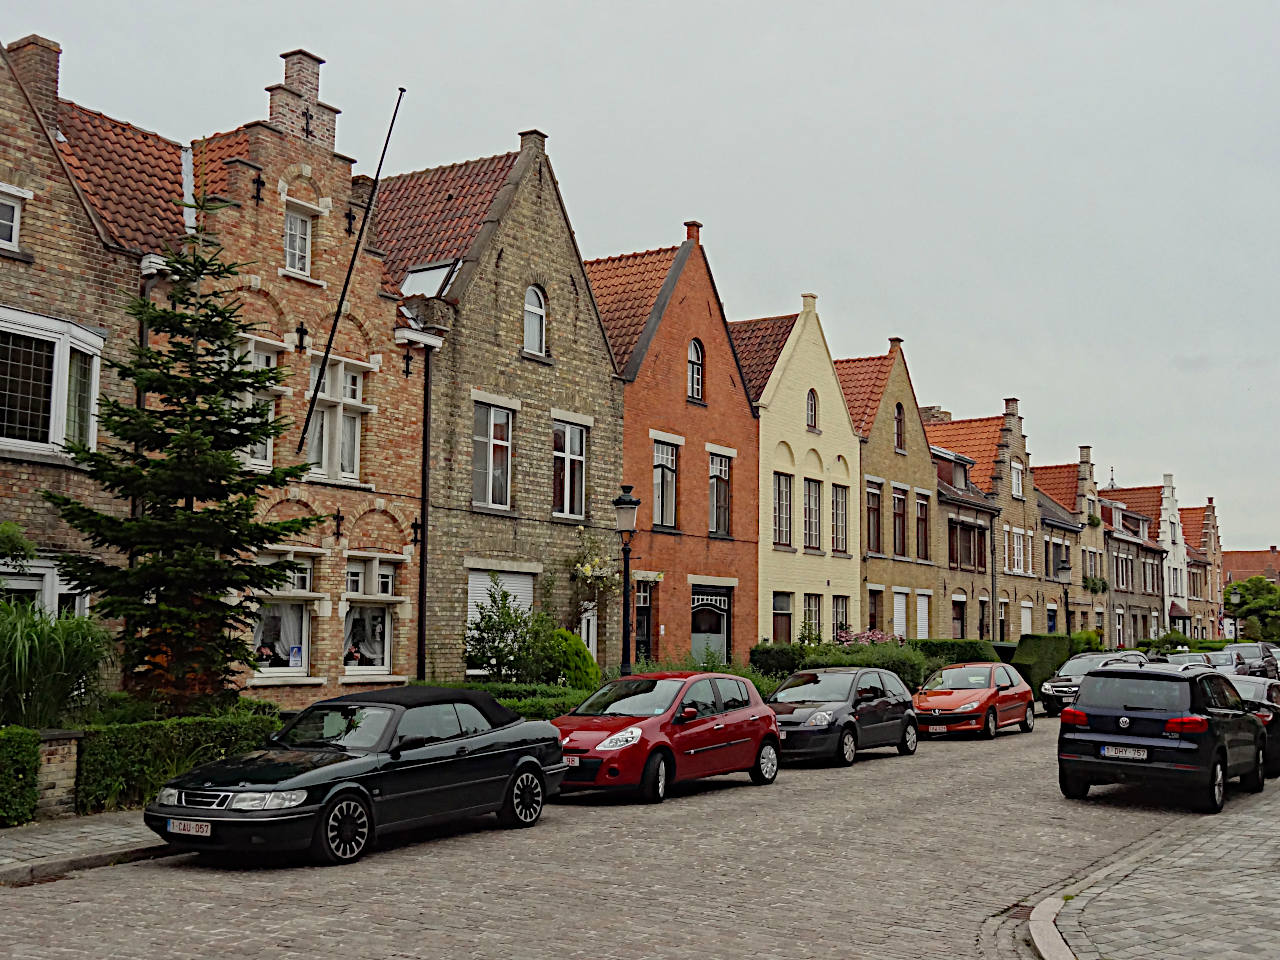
1211 501
895 343
1086 454
1011 406
692 230
35 60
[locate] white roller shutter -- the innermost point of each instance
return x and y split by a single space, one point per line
922 616
519 585
1026 618
900 614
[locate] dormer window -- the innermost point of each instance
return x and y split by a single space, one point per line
959 476
11 199
535 322
694 380
811 410
1016 474
297 241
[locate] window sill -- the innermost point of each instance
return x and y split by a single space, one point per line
54 458
814 430
899 450
925 563
814 552
266 680
874 555
374 598
542 358
494 511
696 403
719 536
567 519
322 480
22 256
784 548
349 678
842 555
301 277
670 531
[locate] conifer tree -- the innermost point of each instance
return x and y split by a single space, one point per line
179 570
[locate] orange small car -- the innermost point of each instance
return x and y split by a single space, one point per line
975 697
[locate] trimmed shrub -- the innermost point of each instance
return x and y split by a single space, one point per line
546 708
558 656
906 661
124 764
777 659
957 651
19 771
1039 656
50 667
1004 649
765 683
1085 641
533 701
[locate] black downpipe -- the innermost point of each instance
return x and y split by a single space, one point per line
424 493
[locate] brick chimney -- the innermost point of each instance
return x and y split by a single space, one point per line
935 414
693 231
533 140
295 104
35 60
808 302
895 344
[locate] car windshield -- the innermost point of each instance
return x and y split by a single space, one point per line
1251 650
1250 688
1079 667
346 726
1186 658
960 678
635 697
814 687
1134 693
1221 657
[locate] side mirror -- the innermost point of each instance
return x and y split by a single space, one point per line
1004 686
687 713
408 743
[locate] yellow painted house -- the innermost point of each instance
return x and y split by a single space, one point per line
810 569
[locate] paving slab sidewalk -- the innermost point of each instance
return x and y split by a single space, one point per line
51 847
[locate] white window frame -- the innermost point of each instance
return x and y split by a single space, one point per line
41 576
812 494
369 568
696 370
811 409
336 405
490 444
782 512
303 669
812 604
666 461
1015 473
839 613
536 310
65 335
720 473
570 459
296 214
255 348
15 197
839 518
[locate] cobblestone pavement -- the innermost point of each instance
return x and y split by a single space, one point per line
72 837
896 857
1205 893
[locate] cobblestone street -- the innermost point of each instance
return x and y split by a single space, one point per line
895 858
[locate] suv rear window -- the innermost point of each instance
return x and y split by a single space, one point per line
1134 693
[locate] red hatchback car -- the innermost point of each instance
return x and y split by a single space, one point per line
649 730
977 697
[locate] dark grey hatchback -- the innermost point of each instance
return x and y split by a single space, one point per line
833 712
1182 726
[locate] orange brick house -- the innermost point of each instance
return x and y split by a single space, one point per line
690 450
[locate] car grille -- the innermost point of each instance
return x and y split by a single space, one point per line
205 799
586 769
929 720
1062 691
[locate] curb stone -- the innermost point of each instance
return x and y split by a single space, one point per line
45 867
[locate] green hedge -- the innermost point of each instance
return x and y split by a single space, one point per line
124 764
19 770
533 701
957 651
1039 656
778 659
906 661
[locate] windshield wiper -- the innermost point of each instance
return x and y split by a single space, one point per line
324 744
1128 707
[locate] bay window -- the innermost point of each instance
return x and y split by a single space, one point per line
48 382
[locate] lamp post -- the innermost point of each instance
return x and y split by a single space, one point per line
1064 574
1235 602
625 506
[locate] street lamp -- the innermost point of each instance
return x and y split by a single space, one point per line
626 506
1064 574
1235 602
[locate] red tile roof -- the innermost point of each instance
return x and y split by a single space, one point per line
209 172
758 344
1059 482
434 215
1143 500
625 288
131 177
1240 565
863 380
1196 555
976 439
1192 524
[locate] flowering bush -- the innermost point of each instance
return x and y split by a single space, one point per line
866 638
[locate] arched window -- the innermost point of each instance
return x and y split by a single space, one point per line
695 370
899 428
811 410
1017 477
535 321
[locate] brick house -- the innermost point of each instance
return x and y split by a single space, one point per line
1072 487
1204 581
66 276
690 450
1135 572
526 438
963 535
1002 470
899 492
1160 503
1240 565
810 563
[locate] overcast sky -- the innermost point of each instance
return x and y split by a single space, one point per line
1072 203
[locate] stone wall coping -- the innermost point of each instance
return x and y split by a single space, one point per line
57 734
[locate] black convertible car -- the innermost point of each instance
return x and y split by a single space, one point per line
348 770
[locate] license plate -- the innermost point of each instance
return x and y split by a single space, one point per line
571 761
191 828
936 729
782 734
1125 753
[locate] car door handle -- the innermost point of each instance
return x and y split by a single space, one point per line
460 751
718 726
754 717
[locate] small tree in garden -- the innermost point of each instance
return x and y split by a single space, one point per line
594 577
496 635
180 569
15 548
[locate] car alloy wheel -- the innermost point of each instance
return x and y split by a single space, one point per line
346 829
989 725
765 770
653 782
1219 784
1029 722
525 799
1256 779
910 740
848 746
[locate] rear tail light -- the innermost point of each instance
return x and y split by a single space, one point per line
1265 716
1071 717
1187 725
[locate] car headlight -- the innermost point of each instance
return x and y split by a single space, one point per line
971 705
819 718
268 800
167 797
1045 688
623 738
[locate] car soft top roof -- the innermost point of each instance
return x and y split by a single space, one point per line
414 696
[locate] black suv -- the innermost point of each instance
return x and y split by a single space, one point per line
1177 725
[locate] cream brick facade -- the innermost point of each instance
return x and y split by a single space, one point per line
827 453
